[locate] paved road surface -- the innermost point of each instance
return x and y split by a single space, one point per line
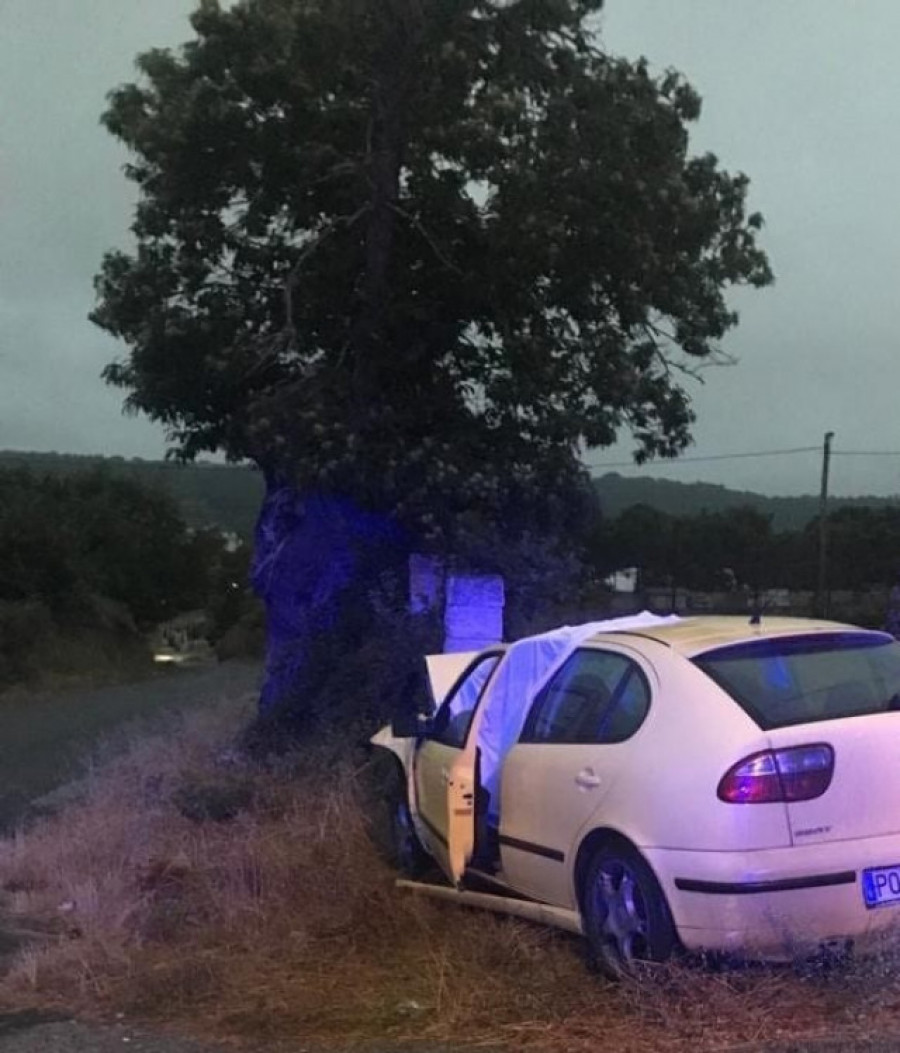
44 736
26 1033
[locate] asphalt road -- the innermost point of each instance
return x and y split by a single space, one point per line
29 1033
45 737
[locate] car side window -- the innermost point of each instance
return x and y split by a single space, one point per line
596 697
452 721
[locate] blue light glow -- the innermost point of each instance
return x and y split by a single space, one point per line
308 551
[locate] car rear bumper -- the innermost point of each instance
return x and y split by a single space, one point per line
777 903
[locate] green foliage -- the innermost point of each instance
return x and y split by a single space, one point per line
226 497
229 599
91 643
419 253
712 551
66 541
21 625
738 548
863 547
616 493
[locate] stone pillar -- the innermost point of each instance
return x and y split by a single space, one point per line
473 615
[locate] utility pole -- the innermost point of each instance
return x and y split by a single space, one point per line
822 587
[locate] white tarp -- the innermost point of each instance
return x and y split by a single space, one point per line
444 670
525 668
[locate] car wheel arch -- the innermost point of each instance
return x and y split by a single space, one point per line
387 764
390 784
625 912
599 837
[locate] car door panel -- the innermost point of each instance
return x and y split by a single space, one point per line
444 776
445 801
557 778
550 792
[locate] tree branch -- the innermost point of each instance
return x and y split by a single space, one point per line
435 248
311 247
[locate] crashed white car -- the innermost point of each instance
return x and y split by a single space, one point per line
718 784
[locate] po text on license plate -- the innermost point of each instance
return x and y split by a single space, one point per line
881 886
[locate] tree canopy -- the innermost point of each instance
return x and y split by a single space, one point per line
66 539
419 251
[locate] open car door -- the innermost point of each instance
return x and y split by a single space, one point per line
445 770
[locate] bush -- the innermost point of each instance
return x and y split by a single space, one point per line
245 638
93 641
26 630
66 539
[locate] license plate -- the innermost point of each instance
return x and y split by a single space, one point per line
881 886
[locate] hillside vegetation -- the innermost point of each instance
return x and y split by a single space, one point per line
229 496
208 495
90 561
618 493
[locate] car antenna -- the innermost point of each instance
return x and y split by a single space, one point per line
756 612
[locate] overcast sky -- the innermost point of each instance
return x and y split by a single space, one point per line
802 95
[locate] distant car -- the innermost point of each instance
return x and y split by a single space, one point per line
705 783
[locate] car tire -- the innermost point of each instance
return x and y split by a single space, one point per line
406 851
625 914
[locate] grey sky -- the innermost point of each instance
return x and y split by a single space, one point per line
803 95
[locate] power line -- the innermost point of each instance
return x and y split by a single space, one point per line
712 457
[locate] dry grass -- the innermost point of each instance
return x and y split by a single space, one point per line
283 922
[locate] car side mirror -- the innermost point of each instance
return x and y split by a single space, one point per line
411 725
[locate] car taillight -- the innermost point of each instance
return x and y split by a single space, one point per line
796 774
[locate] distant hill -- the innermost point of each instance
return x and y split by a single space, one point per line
225 496
618 492
229 496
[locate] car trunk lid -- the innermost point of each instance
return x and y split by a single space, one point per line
863 799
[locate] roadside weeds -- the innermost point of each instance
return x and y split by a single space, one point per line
186 887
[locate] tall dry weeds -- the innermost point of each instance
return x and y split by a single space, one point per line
191 889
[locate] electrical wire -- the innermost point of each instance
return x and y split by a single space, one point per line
710 457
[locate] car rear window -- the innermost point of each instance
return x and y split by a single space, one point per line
800 679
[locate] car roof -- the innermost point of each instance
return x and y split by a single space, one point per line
693 636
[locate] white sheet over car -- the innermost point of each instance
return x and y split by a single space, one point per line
443 672
527 666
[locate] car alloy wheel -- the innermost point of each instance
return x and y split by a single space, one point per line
626 916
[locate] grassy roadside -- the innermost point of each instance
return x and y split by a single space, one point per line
190 890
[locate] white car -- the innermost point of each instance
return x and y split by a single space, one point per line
705 783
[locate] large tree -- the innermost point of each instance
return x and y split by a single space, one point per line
379 242
419 252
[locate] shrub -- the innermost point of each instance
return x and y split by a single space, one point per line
26 629
63 539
